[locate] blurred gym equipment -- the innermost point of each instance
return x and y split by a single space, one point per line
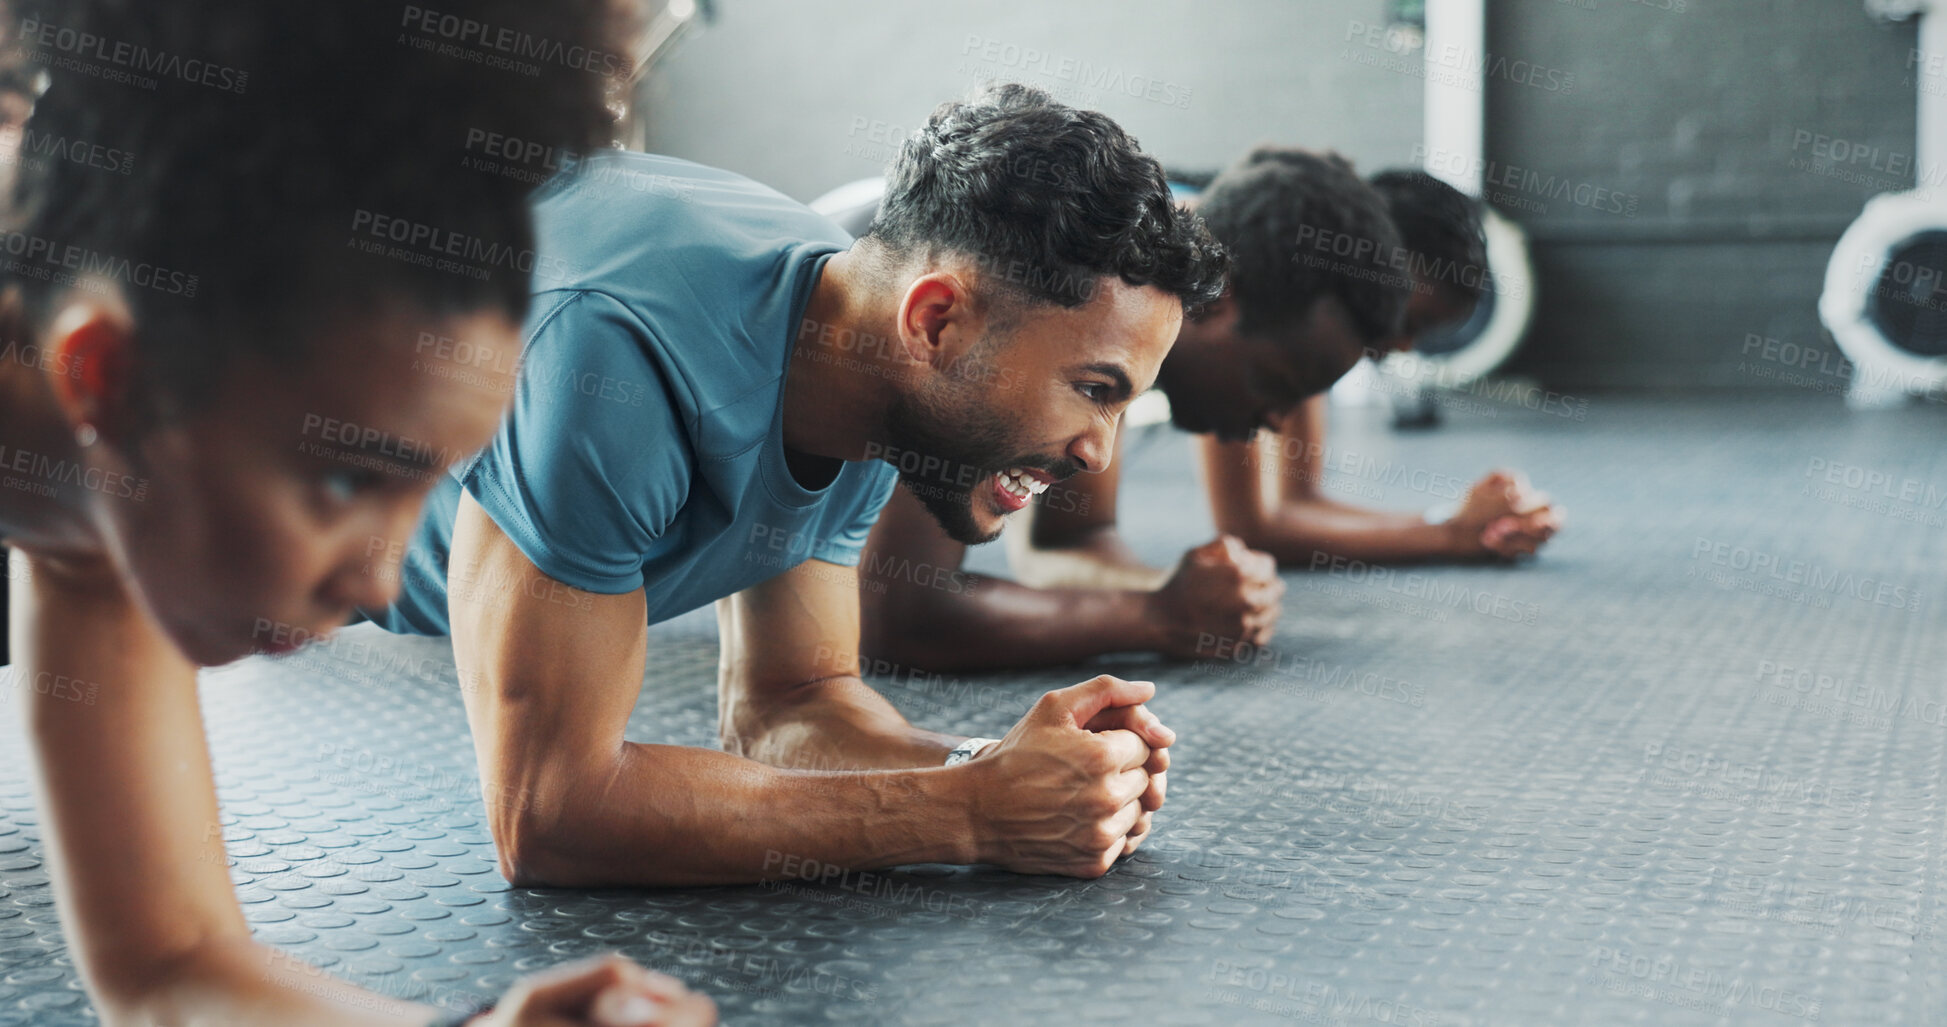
1885 296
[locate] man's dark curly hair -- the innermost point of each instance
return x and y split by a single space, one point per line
1048 199
1442 228
1301 226
258 133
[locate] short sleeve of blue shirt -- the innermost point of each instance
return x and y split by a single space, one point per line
847 547
579 505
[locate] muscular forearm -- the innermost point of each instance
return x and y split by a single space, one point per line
661 815
1298 531
1001 624
838 723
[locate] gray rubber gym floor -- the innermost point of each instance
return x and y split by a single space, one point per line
1686 768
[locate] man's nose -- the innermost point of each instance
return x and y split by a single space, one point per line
1094 448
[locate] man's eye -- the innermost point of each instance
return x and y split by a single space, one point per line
1094 392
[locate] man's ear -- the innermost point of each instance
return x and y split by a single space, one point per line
937 323
90 341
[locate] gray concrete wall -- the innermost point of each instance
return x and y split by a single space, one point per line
1708 127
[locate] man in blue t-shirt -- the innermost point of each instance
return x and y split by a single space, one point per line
716 397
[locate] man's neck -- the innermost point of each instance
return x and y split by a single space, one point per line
834 402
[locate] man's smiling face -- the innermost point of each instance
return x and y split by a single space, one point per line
1031 403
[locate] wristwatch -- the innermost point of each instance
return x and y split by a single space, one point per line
968 750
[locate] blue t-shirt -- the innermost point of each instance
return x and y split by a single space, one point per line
645 446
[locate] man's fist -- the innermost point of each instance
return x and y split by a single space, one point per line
1220 588
1070 789
1502 516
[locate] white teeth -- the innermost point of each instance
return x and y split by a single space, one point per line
1021 484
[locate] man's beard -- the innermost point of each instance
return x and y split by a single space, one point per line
959 447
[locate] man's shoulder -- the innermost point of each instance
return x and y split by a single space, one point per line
628 207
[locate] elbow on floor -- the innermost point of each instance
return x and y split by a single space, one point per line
535 846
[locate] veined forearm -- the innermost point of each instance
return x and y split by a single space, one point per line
678 815
838 723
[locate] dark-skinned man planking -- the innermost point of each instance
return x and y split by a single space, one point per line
1325 268
764 388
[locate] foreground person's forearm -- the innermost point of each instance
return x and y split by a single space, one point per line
234 981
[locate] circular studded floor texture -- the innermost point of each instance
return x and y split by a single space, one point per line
1684 769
